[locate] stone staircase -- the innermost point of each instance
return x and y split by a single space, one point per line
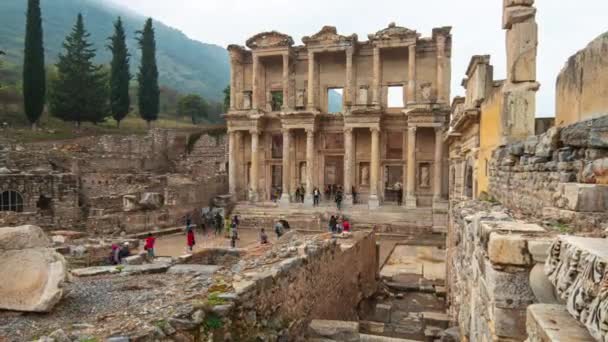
390 220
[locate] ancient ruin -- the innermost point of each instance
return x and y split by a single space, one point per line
470 219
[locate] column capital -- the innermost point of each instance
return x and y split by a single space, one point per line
374 129
253 131
348 130
412 129
285 130
438 129
310 131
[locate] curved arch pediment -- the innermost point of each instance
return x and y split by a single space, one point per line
394 31
269 40
328 36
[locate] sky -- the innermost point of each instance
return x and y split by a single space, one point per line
564 26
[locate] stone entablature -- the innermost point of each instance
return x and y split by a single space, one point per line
280 123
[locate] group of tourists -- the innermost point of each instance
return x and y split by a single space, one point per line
339 224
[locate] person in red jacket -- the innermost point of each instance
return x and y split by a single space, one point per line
149 245
190 238
345 225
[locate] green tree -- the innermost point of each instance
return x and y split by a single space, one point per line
119 74
80 91
194 107
226 98
148 91
34 82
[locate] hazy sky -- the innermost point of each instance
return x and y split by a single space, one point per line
564 26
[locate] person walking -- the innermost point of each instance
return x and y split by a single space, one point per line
234 235
316 196
149 245
399 194
190 240
339 199
219 222
332 223
354 192
263 237
345 224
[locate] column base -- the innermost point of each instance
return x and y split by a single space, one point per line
373 202
410 202
285 201
347 201
253 196
309 201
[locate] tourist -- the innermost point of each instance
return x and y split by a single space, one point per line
234 235
149 245
114 256
327 192
332 224
399 194
316 196
190 238
188 221
125 252
235 221
298 194
263 237
278 229
219 222
354 192
339 199
302 193
345 224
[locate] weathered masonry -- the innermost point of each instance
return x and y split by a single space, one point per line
338 113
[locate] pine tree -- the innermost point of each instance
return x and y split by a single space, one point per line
148 91
119 75
80 92
34 82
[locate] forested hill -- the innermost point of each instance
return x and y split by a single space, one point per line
184 64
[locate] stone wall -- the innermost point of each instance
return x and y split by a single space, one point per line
582 85
494 271
560 176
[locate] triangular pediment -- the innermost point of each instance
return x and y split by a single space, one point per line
270 39
328 36
394 32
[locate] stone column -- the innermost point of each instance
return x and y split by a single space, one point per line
374 202
254 83
232 148
377 77
285 197
348 164
311 81
349 97
438 172
410 193
255 165
411 85
441 86
310 161
233 62
285 80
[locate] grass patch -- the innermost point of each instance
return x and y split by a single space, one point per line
213 322
562 228
214 299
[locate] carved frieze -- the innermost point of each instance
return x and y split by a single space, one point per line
272 39
394 32
329 36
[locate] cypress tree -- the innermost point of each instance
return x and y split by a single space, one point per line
119 74
34 82
80 92
148 92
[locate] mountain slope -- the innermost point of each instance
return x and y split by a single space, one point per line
184 64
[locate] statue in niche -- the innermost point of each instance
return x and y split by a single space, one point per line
426 92
364 175
300 100
425 181
362 98
303 173
247 100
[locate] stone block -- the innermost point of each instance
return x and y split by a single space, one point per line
382 313
541 286
548 142
539 249
553 323
32 279
509 249
199 270
508 290
334 330
530 145
23 237
151 200
586 197
522 42
133 260
510 323
517 14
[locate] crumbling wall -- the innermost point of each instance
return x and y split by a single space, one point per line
494 271
561 175
582 85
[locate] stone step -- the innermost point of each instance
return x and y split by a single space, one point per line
376 338
436 319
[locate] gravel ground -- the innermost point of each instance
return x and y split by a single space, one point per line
106 305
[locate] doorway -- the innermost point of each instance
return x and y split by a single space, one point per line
333 174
